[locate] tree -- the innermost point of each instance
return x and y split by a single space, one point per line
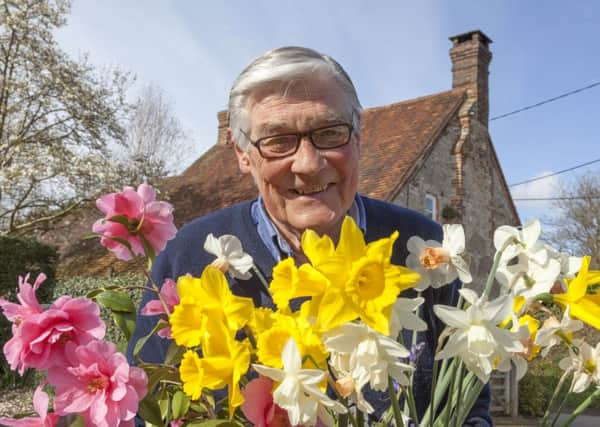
156 144
576 226
56 117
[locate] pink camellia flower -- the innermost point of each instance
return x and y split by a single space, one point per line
169 294
99 385
144 216
40 404
17 313
39 341
258 406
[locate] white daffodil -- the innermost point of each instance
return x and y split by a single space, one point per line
373 357
476 338
554 332
523 240
231 257
585 365
519 360
298 392
527 278
350 380
439 263
569 265
404 317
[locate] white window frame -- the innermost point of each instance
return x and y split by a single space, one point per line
431 213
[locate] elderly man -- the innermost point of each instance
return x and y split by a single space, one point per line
295 119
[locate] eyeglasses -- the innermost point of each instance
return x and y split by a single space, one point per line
323 138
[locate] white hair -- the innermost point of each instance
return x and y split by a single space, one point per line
285 65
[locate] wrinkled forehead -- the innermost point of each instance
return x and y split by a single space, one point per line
280 94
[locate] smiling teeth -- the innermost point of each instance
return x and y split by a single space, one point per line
311 190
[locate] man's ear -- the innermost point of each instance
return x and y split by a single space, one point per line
242 156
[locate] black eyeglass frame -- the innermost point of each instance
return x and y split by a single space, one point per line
299 136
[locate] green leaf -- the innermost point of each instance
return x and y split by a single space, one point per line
148 249
142 341
180 404
125 322
121 219
156 373
94 292
150 411
174 354
122 241
90 236
116 301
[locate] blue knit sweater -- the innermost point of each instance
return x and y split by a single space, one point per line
185 254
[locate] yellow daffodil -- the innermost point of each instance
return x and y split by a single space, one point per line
284 326
224 362
531 349
352 280
518 303
207 296
584 306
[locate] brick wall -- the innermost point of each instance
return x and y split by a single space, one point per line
484 201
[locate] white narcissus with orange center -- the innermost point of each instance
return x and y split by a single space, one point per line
439 263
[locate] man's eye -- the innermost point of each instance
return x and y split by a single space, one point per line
278 143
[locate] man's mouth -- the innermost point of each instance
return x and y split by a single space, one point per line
311 190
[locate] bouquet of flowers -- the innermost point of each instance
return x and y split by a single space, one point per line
332 344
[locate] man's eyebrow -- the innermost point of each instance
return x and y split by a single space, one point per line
273 128
332 118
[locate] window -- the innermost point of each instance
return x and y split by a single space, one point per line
431 206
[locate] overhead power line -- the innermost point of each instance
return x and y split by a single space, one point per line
547 101
555 173
539 199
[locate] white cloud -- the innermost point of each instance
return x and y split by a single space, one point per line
540 189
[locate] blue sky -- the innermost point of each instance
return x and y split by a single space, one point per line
393 50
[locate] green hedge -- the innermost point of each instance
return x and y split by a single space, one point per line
538 385
17 258
80 286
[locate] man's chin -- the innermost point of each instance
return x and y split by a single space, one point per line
326 222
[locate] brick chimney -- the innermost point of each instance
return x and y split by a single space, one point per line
471 58
223 123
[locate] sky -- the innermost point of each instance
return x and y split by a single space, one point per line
393 51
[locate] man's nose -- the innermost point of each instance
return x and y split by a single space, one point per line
308 159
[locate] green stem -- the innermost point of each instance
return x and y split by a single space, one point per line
412 406
582 407
458 394
474 390
360 418
262 278
438 389
492 274
395 404
554 397
156 290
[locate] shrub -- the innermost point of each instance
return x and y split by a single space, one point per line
538 385
17 258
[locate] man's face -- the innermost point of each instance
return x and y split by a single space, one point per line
311 188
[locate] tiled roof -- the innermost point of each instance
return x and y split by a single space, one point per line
396 137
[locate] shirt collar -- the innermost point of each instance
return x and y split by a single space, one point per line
274 241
